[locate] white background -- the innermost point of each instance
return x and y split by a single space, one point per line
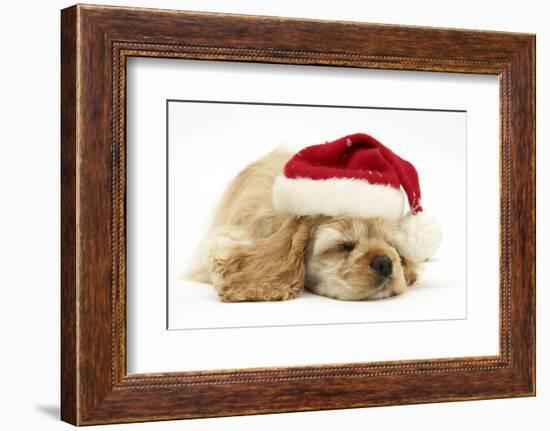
209 144
29 232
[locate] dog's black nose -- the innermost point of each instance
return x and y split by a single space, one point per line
382 265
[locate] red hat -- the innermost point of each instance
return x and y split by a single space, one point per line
356 175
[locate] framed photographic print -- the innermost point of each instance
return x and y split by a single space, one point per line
265 214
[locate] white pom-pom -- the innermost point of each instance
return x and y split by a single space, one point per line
419 236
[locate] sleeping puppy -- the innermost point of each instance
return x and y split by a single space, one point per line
257 252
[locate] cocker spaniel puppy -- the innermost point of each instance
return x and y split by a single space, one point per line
329 219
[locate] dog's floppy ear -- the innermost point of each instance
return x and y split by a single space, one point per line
268 269
410 270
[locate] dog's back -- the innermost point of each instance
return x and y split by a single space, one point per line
247 200
245 211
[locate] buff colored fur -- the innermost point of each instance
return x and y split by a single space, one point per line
252 253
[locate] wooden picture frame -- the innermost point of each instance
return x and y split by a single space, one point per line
95 43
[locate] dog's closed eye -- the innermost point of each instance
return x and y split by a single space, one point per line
347 246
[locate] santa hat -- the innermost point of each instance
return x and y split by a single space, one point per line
357 175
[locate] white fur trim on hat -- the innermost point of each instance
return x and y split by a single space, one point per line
419 236
336 196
